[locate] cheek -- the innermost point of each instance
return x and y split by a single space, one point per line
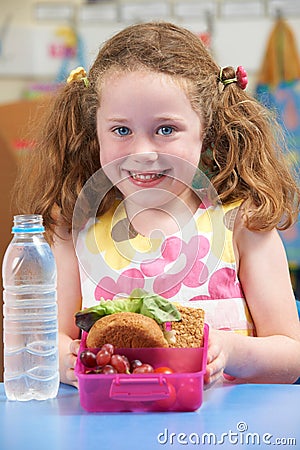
108 164
107 153
191 153
111 163
196 154
104 158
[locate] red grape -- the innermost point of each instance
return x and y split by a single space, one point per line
109 348
106 361
127 363
135 363
88 358
118 362
108 369
144 368
103 357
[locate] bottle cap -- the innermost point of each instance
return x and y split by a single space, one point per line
28 230
28 223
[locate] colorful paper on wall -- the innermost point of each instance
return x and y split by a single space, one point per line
279 89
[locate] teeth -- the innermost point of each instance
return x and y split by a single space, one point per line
145 177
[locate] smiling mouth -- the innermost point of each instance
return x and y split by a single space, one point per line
149 176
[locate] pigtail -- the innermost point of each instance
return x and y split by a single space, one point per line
76 138
246 157
66 154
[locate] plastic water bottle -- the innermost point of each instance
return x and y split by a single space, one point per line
30 313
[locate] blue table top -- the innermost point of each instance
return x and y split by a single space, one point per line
238 417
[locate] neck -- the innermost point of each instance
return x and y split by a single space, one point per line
167 219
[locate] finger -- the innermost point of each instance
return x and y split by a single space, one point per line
71 377
74 346
212 380
213 353
214 371
212 375
70 361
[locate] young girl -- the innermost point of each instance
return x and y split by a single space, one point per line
119 155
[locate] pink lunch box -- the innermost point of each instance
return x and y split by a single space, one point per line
179 391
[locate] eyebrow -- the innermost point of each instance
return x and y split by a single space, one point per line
116 119
164 118
170 117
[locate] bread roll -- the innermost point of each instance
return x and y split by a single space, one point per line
126 330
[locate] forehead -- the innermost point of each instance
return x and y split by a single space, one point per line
142 92
117 75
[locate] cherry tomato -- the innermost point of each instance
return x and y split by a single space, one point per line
168 402
163 370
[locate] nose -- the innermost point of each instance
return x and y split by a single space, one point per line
144 157
143 150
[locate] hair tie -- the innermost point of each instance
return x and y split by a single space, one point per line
240 78
78 74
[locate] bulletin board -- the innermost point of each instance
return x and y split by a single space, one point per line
42 50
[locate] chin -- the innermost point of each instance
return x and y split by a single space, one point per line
151 198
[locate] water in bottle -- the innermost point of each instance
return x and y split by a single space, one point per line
30 313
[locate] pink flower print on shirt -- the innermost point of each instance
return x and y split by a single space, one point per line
193 273
130 279
205 204
222 284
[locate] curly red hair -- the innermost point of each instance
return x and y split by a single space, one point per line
242 149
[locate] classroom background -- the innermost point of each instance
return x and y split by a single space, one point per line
42 41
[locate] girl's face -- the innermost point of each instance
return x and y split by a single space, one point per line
150 137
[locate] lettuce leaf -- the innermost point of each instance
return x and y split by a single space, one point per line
139 301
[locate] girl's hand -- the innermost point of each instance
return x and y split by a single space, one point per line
216 359
70 361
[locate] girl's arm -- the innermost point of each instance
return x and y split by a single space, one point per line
274 355
69 302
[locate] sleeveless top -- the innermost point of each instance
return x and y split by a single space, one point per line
195 266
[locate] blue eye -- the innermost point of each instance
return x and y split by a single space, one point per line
165 131
122 131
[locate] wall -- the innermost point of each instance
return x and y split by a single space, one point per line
237 38
8 172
